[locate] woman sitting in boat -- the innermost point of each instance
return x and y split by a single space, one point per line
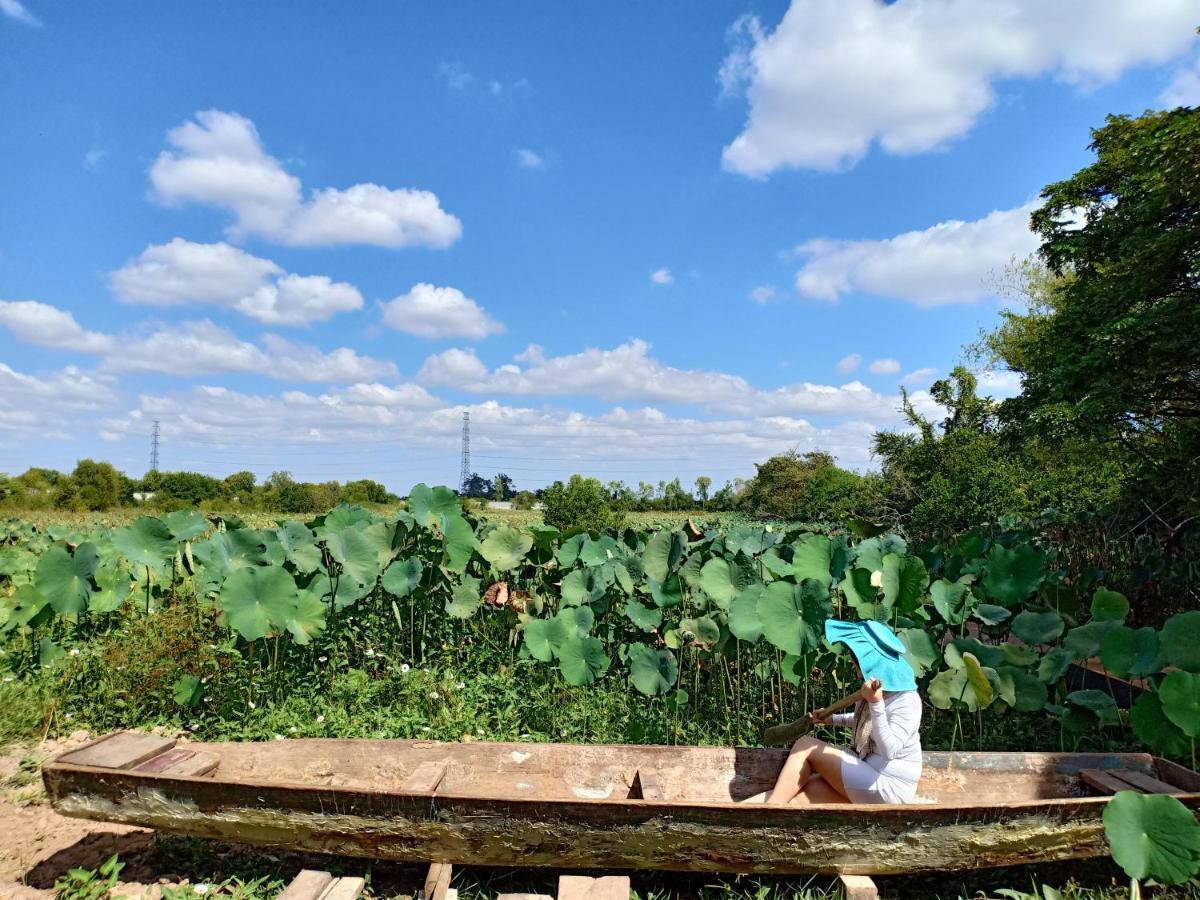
884 762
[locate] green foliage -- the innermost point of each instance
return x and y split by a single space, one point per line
89 884
581 504
1153 836
806 487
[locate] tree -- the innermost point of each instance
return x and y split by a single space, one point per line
477 486
807 486
504 487
580 505
186 487
95 486
365 491
239 486
703 483
524 500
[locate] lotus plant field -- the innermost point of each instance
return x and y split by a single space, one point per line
990 623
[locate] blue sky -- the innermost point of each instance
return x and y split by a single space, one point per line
633 240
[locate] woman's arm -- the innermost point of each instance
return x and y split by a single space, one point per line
893 731
842 719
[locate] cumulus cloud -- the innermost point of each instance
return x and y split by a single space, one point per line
433 312
185 272
15 10
219 160
836 76
628 373
529 159
1184 88
849 363
764 293
662 276
947 263
51 327
919 378
50 405
884 367
189 348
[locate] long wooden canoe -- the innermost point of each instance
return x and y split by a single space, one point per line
567 806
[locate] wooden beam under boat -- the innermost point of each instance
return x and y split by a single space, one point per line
574 806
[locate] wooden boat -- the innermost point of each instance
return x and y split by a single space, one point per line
565 806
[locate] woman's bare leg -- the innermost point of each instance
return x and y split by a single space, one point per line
818 790
808 756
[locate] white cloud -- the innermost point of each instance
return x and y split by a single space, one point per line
1000 382
185 272
947 263
93 158
1184 89
528 159
188 349
919 378
628 373
884 367
458 78
662 276
218 159
836 76
15 10
849 363
764 293
433 312
49 406
48 326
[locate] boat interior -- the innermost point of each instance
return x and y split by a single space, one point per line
551 772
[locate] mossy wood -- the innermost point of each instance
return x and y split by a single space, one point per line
568 806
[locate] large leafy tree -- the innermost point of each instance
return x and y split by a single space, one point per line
1113 355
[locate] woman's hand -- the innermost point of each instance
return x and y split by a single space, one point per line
872 691
820 716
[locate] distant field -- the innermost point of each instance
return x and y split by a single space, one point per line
44 518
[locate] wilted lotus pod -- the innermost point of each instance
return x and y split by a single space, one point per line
497 594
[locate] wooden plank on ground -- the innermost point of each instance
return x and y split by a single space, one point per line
524 897
310 884
163 760
646 786
859 887
1144 782
181 761
344 889
437 882
581 887
123 750
1103 780
425 778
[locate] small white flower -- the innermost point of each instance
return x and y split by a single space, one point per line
320 718
322 659
479 731
403 668
460 685
293 730
69 716
434 695
201 888
195 726
370 653
208 699
8 678
279 737
251 704
204 680
74 651
424 727
877 578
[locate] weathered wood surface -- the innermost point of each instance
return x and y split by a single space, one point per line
581 887
645 786
310 884
570 807
858 887
345 889
122 750
1143 782
437 882
1104 782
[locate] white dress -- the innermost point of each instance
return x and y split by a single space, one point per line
891 772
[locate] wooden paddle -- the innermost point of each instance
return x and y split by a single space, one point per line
783 735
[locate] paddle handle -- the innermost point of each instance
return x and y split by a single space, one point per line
782 735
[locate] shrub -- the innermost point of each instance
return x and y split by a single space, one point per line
581 504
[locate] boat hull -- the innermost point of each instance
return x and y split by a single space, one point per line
629 833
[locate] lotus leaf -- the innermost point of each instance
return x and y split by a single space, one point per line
113 585
186 690
978 680
989 614
1018 655
644 617
186 524
66 579
582 660
1099 703
306 620
1180 695
667 594
1038 627
1084 640
811 556
429 505
1181 640
25 607
257 600
299 547
950 686
1054 665
1127 651
870 553
652 671
460 542
543 635
716 580
952 599
402 577
465 598
921 649
582 586
1012 575
568 551
988 655
1030 692
1152 836
1109 606
743 614
599 551
1154 729
663 554
860 595
703 631
49 653
904 582
147 542
787 612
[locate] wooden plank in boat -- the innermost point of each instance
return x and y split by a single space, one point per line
524 897
123 750
859 887
344 889
437 882
1144 782
180 761
1103 780
581 887
310 884
646 786
425 778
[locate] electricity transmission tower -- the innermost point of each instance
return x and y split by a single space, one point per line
154 448
465 474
